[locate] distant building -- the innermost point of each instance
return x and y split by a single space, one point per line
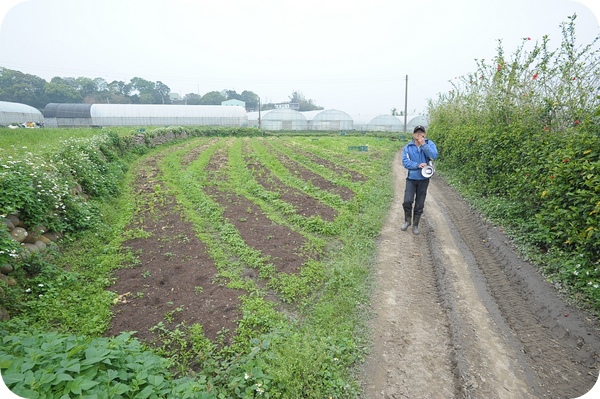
174 96
234 103
294 106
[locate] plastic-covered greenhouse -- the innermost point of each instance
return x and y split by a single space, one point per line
330 119
386 123
17 113
417 120
58 115
279 119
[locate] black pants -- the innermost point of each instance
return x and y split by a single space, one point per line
415 191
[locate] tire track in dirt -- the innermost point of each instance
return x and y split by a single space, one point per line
559 351
458 314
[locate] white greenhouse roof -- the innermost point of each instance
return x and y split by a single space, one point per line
159 110
18 113
282 114
327 114
6 106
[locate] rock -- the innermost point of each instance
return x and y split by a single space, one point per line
31 248
19 234
31 237
45 239
4 314
40 245
6 269
52 236
9 224
11 282
15 220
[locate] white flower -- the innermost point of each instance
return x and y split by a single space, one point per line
28 290
246 376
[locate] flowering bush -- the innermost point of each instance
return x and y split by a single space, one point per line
525 131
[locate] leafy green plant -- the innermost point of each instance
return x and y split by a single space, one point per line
55 365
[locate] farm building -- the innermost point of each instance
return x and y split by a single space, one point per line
70 115
234 103
278 119
18 114
330 119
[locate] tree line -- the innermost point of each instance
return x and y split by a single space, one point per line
19 87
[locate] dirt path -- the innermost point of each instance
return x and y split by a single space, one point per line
459 315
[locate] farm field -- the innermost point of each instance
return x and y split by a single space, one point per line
275 267
283 203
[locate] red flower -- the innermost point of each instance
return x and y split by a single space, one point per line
535 75
552 176
576 122
546 128
566 160
528 38
499 67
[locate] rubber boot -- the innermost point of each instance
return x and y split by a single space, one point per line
415 228
407 221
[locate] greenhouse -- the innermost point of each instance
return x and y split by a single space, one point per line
417 120
19 114
330 119
278 119
65 115
386 123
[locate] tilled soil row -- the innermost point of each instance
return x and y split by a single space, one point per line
176 279
175 276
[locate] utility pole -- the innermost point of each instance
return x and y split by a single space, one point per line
259 107
405 102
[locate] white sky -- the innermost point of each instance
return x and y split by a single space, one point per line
349 55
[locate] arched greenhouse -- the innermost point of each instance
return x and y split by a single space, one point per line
329 119
278 119
386 123
69 115
417 120
19 114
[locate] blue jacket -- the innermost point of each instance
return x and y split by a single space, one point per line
412 156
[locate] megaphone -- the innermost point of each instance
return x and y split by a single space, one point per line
428 170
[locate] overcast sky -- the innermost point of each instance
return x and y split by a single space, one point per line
348 55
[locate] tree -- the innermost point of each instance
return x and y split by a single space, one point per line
212 98
251 99
192 99
303 105
58 92
145 91
163 92
232 95
22 88
86 86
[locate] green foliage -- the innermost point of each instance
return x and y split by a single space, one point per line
522 137
51 365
